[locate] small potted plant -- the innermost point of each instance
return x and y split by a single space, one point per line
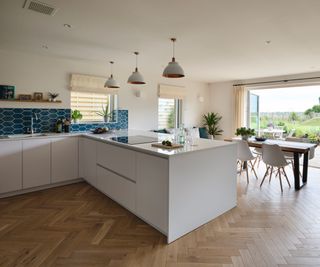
53 97
76 116
211 121
245 133
105 113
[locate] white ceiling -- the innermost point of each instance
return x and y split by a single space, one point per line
217 39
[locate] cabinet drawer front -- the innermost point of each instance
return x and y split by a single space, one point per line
117 159
116 187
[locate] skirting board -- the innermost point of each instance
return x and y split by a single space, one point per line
39 188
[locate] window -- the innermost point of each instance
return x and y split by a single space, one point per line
169 113
91 103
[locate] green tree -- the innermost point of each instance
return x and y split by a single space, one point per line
308 112
293 117
316 108
170 121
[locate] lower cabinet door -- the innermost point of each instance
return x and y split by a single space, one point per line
152 190
88 160
119 188
36 162
64 159
10 166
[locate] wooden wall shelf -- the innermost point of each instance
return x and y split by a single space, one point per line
31 101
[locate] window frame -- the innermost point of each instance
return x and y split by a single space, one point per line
113 106
177 111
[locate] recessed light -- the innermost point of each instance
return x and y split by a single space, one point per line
66 25
45 47
268 42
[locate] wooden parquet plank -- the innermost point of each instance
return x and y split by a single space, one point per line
76 225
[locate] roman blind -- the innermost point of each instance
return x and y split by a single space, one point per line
89 104
171 91
89 83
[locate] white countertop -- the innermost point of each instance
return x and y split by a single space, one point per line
198 143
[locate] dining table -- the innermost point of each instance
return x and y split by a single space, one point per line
297 148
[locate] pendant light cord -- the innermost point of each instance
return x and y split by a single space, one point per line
173 49
136 53
111 68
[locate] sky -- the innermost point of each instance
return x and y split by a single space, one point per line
289 99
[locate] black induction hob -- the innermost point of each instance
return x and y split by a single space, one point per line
135 140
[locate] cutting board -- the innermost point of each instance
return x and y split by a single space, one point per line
174 146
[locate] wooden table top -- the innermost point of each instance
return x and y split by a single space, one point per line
286 146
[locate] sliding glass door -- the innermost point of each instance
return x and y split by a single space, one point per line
254 113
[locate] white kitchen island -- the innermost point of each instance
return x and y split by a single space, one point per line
175 191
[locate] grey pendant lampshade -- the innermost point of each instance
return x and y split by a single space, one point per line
173 70
111 82
136 77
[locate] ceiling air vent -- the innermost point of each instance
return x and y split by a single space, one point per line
40 7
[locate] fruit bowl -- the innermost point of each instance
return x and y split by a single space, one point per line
260 139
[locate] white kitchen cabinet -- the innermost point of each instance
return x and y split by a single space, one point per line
152 190
10 166
64 159
117 187
88 160
36 162
118 159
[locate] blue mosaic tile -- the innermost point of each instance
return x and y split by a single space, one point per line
18 120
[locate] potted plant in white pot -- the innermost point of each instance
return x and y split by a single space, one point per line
105 113
76 116
245 133
211 122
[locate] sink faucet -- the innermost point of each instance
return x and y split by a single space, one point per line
35 116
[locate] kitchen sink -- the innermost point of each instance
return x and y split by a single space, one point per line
26 135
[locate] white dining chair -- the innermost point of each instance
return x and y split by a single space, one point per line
258 153
245 156
275 160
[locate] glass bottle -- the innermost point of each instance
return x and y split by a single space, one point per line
182 135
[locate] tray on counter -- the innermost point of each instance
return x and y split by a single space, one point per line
173 146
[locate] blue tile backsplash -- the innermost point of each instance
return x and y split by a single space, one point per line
17 120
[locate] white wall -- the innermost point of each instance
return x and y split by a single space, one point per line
222 99
38 73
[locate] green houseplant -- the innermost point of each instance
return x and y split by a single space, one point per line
76 116
211 122
245 133
105 113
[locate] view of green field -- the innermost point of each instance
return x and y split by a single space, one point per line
297 111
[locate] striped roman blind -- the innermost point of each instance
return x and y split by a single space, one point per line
89 103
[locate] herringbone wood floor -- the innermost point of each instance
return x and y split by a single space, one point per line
76 225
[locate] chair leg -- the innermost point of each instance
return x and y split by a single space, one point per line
241 168
254 171
255 161
247 172
271 174
259 160
285 175
280 179
265 175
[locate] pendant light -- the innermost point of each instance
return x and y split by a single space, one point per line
173 70
136 77
111 82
